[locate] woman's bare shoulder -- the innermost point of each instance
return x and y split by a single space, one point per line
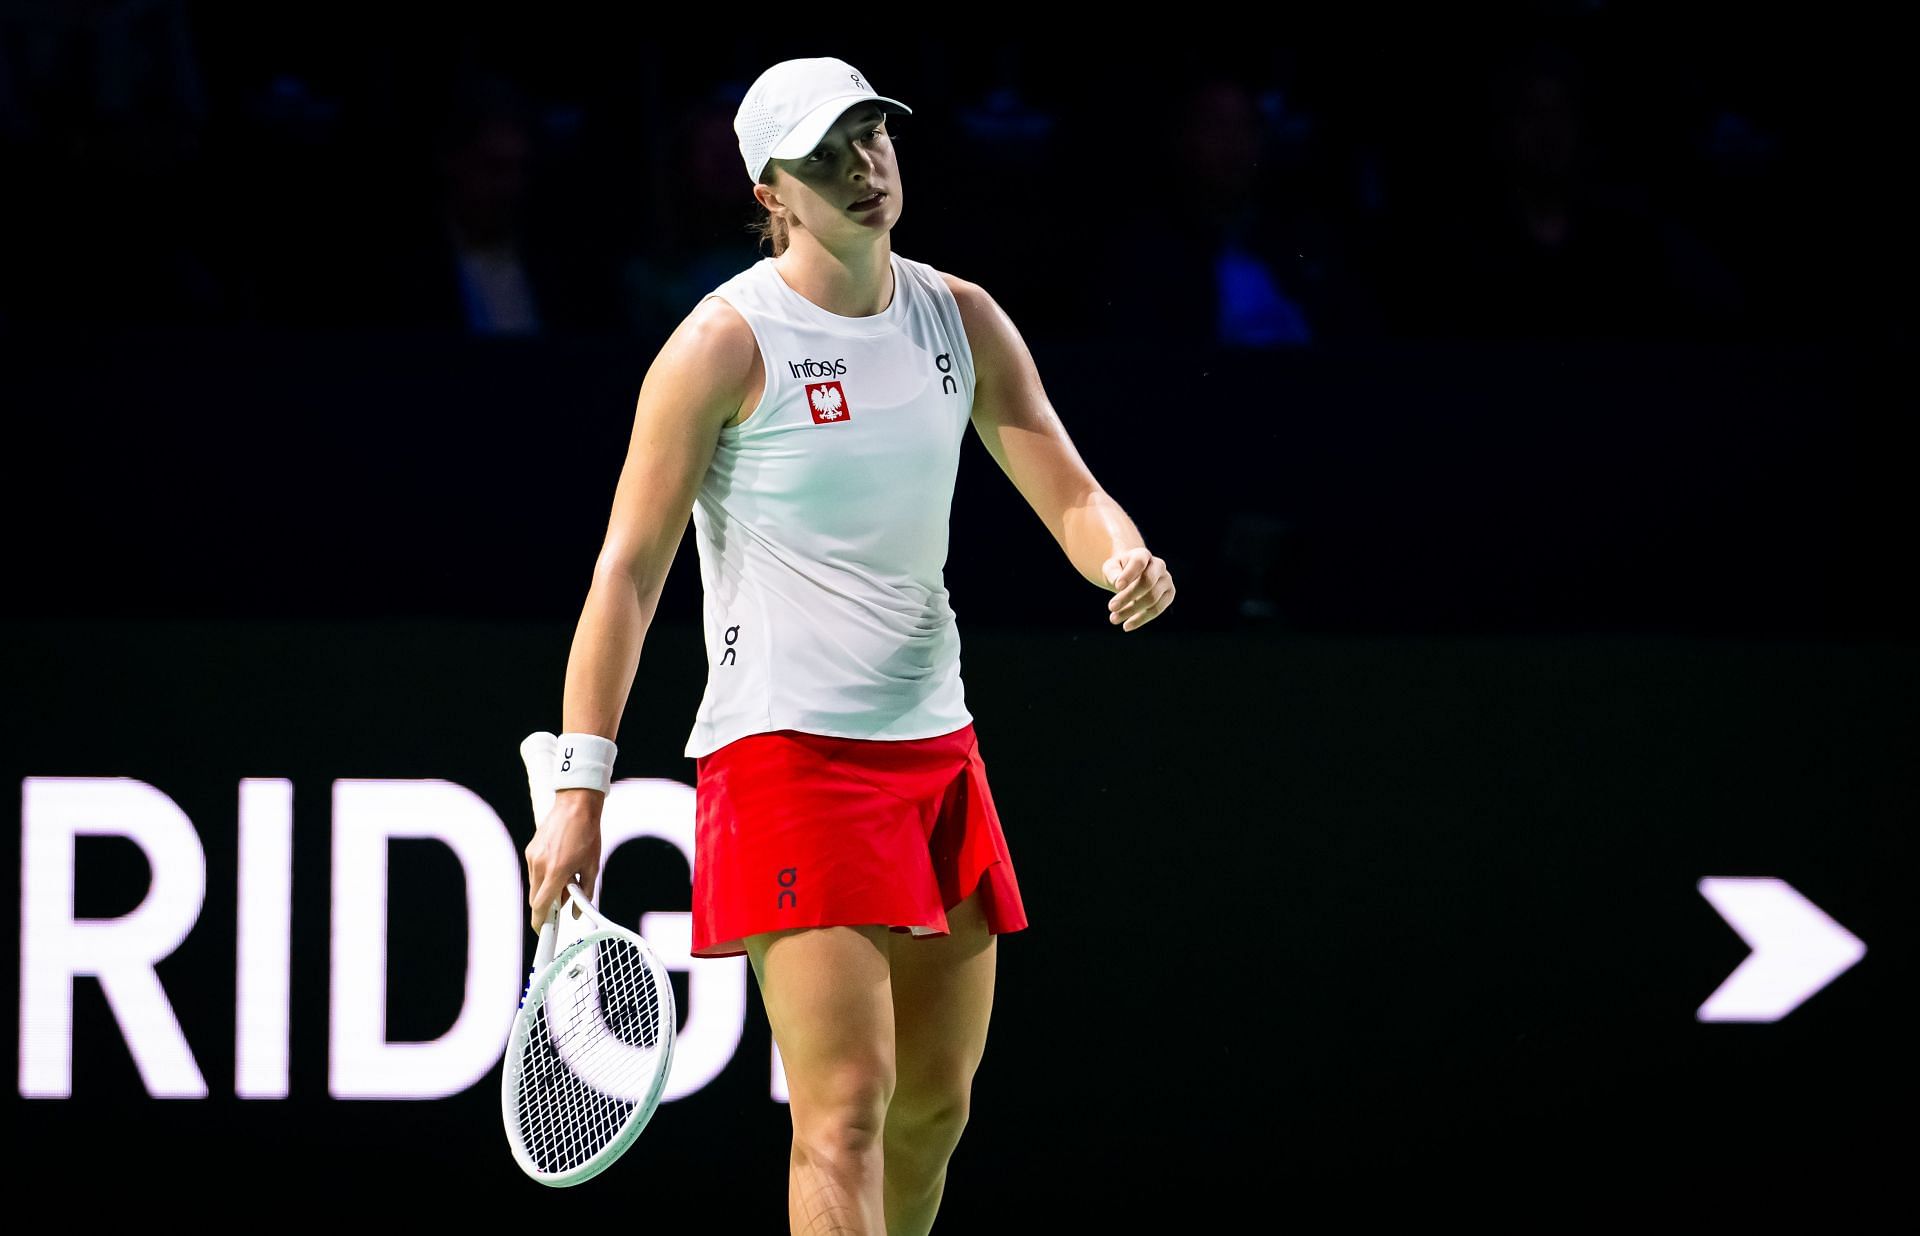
710 361
714 326
991 334
978 310
713 336
963 290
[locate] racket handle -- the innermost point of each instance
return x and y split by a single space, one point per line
542 952
549 934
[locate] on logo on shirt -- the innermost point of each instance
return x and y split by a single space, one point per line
827 402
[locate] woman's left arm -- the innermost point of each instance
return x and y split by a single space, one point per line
1025 437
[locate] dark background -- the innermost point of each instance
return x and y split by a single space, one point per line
1519 399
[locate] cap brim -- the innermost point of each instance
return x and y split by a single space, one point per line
803 137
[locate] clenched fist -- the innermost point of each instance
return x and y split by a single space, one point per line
1142 586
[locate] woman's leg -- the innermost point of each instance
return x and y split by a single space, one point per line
942 996
830 1004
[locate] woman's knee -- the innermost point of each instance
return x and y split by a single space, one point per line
841 1109
931 1114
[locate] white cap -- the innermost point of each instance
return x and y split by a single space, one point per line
790 107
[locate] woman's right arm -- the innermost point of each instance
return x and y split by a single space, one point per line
694 386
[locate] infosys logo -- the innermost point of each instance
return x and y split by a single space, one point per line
819 369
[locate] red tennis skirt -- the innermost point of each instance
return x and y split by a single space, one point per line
806 830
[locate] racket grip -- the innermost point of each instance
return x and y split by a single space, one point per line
542 952
549 934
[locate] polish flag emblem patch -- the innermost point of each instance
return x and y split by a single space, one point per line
827 402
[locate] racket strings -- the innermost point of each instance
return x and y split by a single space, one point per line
592 1056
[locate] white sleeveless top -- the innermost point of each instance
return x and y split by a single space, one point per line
822 521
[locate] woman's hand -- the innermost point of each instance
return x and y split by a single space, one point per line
565 846
1142 586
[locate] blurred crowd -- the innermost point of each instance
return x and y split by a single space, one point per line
1564 176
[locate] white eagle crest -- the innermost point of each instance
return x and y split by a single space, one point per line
826 402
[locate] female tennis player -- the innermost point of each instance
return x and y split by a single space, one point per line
808 413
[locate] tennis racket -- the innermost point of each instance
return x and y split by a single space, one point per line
592 1044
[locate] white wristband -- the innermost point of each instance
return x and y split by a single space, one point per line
583 760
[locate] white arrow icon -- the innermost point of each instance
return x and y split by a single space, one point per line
1797 949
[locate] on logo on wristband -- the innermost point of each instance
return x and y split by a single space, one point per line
583 761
